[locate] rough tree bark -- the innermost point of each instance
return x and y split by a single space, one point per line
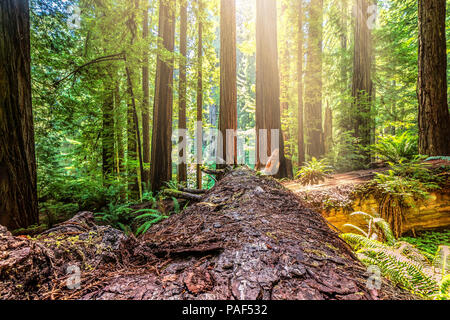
145 98
18 195
301 133
228 86
182 167
161 155
108 132
434 118
199 88
132 174
313 81
362 88
268 84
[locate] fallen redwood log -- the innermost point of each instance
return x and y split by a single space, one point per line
248 238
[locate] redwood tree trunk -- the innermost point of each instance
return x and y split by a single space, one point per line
182 167
434 118
301 134
133 182
108 133
268 83
313 82
145 100
228 87
199 87
18 195
161 157
362 88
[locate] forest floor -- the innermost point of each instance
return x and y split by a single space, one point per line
248 238
339 190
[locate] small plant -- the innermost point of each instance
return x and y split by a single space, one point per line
313 172
150 217
402 263
396 148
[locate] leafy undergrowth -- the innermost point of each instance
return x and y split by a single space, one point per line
429 241
423 273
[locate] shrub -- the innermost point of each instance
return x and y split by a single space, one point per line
396 148
313 172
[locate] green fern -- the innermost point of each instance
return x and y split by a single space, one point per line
399 261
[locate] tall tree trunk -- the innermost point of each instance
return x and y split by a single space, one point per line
313 82
285 86
345 116
301 134
108 133
182 166
362 88
434 118
133 182
328 129
145 99
199 87
161 155
228 87
268 85
18 194
118 126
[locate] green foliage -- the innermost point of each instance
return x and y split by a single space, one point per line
399 261
400 188
150 218
396 148
313 172
429 241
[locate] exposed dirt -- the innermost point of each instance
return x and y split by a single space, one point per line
249 238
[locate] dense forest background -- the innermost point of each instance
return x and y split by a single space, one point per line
348 75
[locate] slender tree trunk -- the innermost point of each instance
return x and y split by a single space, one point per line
145 99
133 182
345 118
199 87
313 82
161 155
228 87
362 88
285 86
108 134
328 129
18 194
268 84
121 170
301 135
434 118
182 167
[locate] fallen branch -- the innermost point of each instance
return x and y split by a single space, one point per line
193 191
182 195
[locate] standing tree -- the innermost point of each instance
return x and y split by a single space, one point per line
133 182
18 195
108 131
362 89
199 86
228 87
182 166
313 82
145 98
268 84
161 155
301 134
434 118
